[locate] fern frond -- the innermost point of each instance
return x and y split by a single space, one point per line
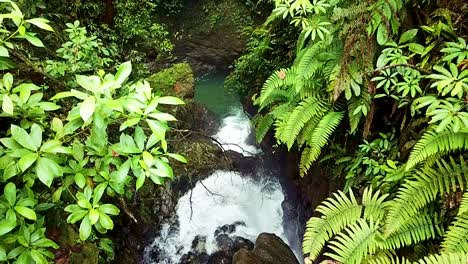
274 82
374 204
456 238
385 258
463 204
358 241
415 230
306 63
337 213
262 125
426 185
433 143
303 113
445 258
276 96
319 139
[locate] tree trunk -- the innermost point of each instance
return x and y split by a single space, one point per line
110 12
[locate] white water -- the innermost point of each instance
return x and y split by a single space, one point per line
225 197
234 132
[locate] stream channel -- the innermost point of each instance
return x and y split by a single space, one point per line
240 206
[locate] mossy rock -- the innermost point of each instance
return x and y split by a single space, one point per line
176 80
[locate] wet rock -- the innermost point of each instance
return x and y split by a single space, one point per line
228 229
272 248
269 249
244 256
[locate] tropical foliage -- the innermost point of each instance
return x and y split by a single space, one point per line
390 93
77 147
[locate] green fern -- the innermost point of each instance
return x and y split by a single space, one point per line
456 238
464 204
415 230
358 241
433 143
303 113
338 213
445 258
424 188
262 125
319 139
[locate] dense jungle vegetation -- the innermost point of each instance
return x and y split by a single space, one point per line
374 92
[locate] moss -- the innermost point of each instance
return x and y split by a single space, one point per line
176 80
72 250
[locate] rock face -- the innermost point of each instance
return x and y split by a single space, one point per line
211 33
269 249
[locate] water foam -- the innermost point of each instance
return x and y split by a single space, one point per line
225 197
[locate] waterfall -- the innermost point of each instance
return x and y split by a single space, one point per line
252 204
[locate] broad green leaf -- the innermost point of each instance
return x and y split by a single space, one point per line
85 229
129 123
163 116
77 216
78 152
83 203
140 181
54 146
9 172
90 83
80 180
34 40
45 243
157 127
164 169
4 52
87 108
26 212
7 105
109 209
47 170
93 216
10 193
38 257
41 23
382 35
408 36
6 226
22 137
57 124
36 135
123 72
170 100
98 192
26 161
147 158
106 221
177 157
8 81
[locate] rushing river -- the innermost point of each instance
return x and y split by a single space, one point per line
253 204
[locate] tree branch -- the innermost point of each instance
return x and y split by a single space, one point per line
401 65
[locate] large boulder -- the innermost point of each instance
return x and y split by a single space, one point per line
269 249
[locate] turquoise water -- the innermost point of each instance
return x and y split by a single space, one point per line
210 91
